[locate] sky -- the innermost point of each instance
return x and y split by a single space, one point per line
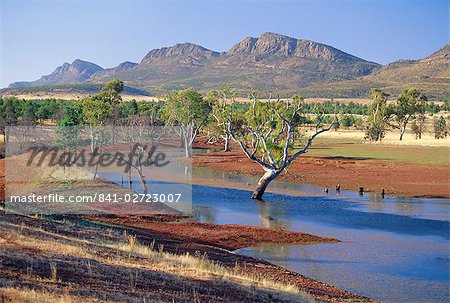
36 36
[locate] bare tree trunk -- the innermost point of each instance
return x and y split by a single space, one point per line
187 148
92 138
143 181
227 143
130 180
268 176
402 131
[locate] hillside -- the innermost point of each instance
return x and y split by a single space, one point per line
271 61
431 74
76 72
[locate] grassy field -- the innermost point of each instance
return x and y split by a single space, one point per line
344 145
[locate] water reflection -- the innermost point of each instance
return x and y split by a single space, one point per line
271 217
394 249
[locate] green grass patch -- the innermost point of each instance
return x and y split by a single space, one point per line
355 149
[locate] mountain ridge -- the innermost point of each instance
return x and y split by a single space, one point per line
269 62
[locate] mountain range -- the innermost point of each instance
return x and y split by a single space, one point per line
267 63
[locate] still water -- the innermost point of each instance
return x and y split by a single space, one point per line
393 249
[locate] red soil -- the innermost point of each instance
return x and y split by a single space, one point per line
396 178
228 236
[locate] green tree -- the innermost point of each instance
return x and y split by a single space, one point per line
47 109
29 114
408 104
68 130
190 111
379 114
222 108
9 115
96 111
111 91
416 130
440 128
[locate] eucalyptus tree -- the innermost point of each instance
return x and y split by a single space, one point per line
68 131
222 102
188 110
440 128
409 103
111 91
267 136
378 117
97 111
420 119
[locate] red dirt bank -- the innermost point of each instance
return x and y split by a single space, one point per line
227 236
396 178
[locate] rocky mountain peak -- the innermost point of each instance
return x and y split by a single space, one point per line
179 50
269 44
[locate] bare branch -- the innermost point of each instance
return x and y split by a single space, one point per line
309 142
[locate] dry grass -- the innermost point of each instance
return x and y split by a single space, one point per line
391 138
74 96
122 250
22 295
201 266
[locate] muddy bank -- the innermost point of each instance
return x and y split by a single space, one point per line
192 240
401 179
227 236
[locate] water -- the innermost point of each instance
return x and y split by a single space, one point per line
394 249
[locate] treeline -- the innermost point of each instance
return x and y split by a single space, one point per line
53 109
106 108
410 108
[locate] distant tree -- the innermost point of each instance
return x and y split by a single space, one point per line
68 130
29 114
153 111
407 106
188 110
111 91
420 119
379 114
48 109
72 114
222 102
9 114
96 111
336 125
133 107
440 128
347 120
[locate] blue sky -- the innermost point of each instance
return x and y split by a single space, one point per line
39 35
